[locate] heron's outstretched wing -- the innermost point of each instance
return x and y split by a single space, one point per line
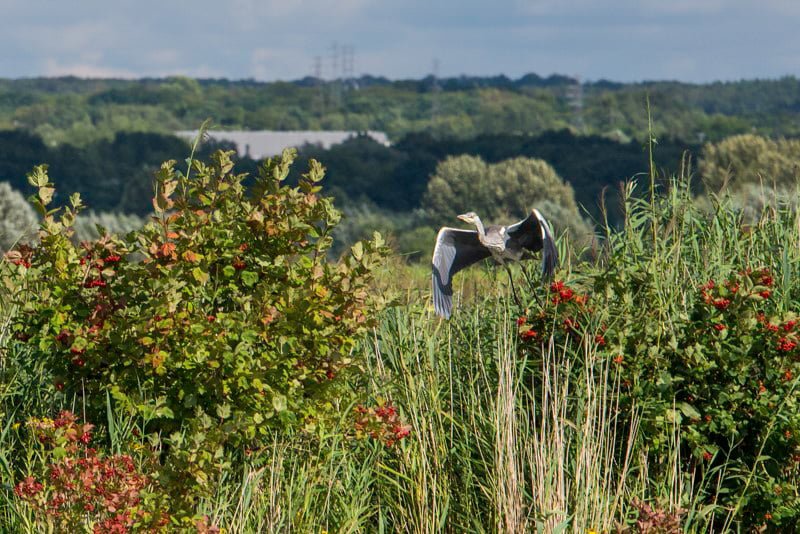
534 234
455 249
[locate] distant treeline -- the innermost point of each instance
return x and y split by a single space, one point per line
117 175
80 112
395 178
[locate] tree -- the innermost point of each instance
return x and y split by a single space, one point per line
749 159
17 219
504 191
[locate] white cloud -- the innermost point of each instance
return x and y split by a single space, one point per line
52 67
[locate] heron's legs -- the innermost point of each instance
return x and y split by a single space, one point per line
531 286
513 289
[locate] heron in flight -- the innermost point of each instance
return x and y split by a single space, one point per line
457 249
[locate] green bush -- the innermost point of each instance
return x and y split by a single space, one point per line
711 369
217 324
502 191
750 159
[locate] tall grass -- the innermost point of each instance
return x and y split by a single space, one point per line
503 440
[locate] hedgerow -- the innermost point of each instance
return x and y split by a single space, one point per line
219 323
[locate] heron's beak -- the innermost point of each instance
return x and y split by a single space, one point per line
463 217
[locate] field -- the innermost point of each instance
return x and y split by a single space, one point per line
650 387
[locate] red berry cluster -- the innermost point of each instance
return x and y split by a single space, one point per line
381 422
524 329
563 293
21 256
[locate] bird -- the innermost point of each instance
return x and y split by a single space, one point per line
457 249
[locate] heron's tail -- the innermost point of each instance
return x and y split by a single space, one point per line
549 250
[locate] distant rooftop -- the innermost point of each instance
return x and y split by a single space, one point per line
265 143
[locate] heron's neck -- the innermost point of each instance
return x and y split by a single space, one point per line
479 226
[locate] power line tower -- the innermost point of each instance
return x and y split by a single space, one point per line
336 75
318 102
349 66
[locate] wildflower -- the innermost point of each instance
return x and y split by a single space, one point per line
238 264
210 318
565 294
766 279
789 325
528 335
707 456
761 387
765 294
402 431
708 418
618 359
113 258
787 434
721 303
521 320
768 516
786 345
600 340
719 327
787 375
556 286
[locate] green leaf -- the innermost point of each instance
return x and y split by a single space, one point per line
249 278
38 176
279 402
224 410
358 250
688 410
200 275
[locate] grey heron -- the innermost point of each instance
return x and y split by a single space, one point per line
457 249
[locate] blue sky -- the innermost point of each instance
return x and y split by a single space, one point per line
624 40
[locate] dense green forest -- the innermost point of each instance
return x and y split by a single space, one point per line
77 111
117 175
106 138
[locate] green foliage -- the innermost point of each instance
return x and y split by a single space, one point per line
698 317
748 159
217 324
70 110
17 219
503 191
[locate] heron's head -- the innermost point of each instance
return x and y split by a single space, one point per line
470 217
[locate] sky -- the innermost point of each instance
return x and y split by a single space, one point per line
620 40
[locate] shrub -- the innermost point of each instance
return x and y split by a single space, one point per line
74 485
506 190
749 159
725 374
217 324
